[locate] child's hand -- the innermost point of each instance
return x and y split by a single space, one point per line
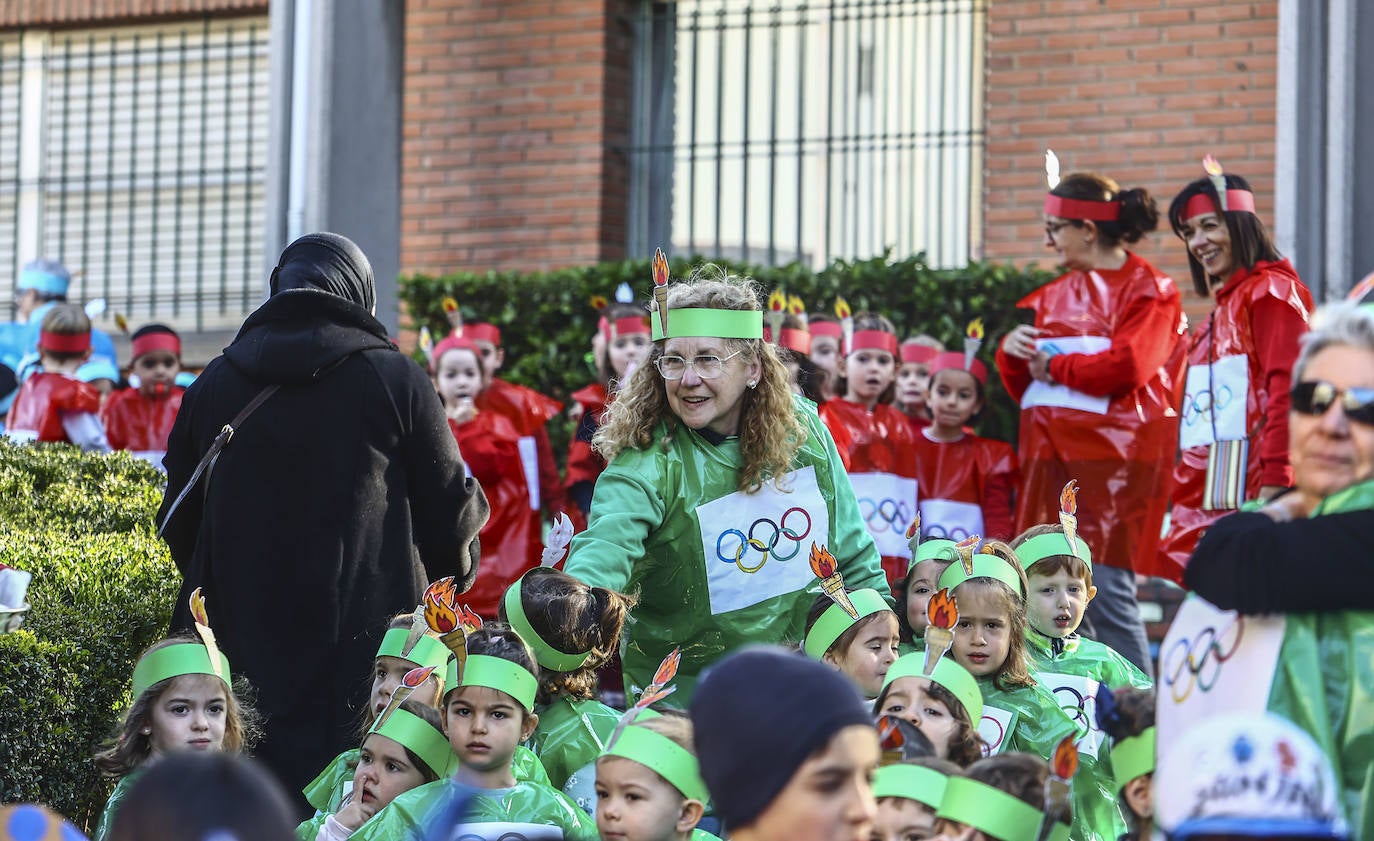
355 814
462 412
1020 342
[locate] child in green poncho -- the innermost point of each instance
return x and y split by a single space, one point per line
861 648
928 559
648 784
1001 798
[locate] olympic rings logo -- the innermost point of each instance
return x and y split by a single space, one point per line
1203 404
1197 661
885 515
937 531
991 746
764 537
1075 706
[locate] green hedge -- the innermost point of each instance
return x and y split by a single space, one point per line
547 320
102 591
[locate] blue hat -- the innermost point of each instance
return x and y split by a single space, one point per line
47 276
99 368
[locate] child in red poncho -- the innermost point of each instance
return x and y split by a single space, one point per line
53 405
139 419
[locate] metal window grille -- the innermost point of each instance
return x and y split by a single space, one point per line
790 130
137 155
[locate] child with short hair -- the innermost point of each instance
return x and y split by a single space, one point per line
184 698
648 783
1001 798
909 794
53 404
946 705
487 715
139 419
573 630
862 648
913 377
1127 716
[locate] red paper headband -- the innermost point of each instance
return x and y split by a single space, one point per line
1200 203
873 340
917 354
623 326
64 342
150 342
454 343
826 328
794 339
1098 211
483 332
951 361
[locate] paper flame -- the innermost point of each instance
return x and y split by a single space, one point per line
1051 168
915 527
842 309
440 618
468 618
1065 762
198 608
660 265
624 294
943 610
777 301
965 549
890 735
556 543
795 305
426 341
449 305
599 302
121 322
415 677
658 689
975 329
1212 166
822 562
1068 498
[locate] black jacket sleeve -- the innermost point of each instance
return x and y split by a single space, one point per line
1248 562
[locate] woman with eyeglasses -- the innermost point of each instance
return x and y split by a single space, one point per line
1233 434
1095 376
1305 553
718 483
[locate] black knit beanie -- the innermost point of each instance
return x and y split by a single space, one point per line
757 715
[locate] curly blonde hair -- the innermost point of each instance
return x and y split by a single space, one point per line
770 433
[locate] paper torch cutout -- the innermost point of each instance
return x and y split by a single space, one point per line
427 344
1051 168
846 317
796 307
207 636
943 612
973 340
122 323
913 533
965 548
898 740
1068 508
449 620
1059 785
832 583
453 314
411 681
777 310
556 544
658 689
1217 176
661 290
598 302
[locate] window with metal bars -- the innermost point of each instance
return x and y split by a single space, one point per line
136 156
783 130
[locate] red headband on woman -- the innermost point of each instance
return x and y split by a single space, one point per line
955 361
873 340
64 342
1201 203
149 342
1098 211
918 354
826 328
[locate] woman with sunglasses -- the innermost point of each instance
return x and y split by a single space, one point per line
1233 433
718 483
1305 553
1095 377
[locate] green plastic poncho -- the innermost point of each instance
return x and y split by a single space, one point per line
1325 683
409 815
570 736
310 830
102 828
716 568
1031 719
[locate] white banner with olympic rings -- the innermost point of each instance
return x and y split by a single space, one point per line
1214 402
946 518
1077 697
758 545
887 504
994 727
1211 662
1044 394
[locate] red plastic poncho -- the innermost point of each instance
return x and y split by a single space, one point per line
1247 346
140 424
966 487
41 402
584 463
878 450
1110 420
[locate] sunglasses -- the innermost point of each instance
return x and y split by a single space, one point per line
1316 397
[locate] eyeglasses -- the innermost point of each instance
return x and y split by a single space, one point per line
1316 397
707 367
1053 228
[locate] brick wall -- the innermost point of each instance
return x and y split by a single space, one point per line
1137 89
511 114
15 13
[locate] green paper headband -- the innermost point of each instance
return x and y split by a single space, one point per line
1044 546
711 323
933 549
546 655
911 782
994 812
419 737
984 566
185 658
1133 757
947 673
427 651
834 621
503 676
664 757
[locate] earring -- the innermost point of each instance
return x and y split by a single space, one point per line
147 731
752 383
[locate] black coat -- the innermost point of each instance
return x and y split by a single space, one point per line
329 511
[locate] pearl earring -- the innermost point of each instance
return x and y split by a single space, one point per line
752 383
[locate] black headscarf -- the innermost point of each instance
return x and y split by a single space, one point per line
328 263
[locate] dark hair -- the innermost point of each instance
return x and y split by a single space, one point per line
190 796
367 715
1134 714
1052 564
1250 240
154 329
432 718
966 746
573 618
496 639
872 321
1022 775
843 641
1139 213
982 394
